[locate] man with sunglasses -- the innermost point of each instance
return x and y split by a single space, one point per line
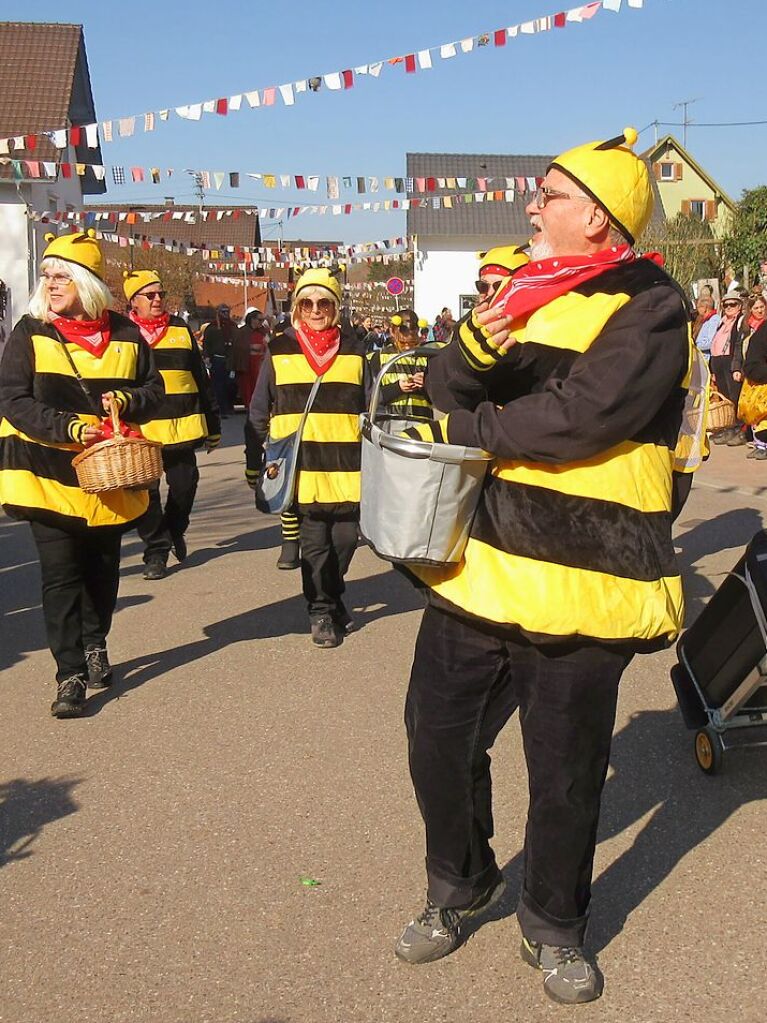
188 418
574 378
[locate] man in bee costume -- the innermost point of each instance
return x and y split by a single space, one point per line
573 376
187 418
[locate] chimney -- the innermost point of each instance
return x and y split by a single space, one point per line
169 201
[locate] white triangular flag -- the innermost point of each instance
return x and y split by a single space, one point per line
285 180
333 80
301 86
361 70
49 168
149 121
447 50
218 179
467 45
99 171
312 182
209 106
424 59
375 69
528 27
254 101
611 5
235 102
59 138
164 114
635 3
286 91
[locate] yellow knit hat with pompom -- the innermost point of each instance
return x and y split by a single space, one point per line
80 247
615 178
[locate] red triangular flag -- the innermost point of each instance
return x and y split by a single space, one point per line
30 142
348 208
66 170
75 132
431 184
410 64
222 107
300 183
348 77
560 20
499 37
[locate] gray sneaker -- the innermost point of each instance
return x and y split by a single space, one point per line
437 932
568 977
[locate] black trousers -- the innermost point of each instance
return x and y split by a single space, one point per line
157 528
465 685
327 548
80 578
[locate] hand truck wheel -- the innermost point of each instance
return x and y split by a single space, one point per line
708 750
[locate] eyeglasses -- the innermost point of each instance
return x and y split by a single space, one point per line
152 295
482 287
731 305
324 305
544 195
60 279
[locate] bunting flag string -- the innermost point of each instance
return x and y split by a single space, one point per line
335 184
411 62
435 202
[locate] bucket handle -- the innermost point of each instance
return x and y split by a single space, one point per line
375 396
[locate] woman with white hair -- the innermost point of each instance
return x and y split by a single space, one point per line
63 363
328 485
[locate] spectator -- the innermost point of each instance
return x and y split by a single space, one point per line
753 399
723 346
217 344
443 326
705 324
248 350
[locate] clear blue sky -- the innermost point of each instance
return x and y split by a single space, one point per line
539 94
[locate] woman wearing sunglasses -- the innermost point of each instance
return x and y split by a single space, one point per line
496 266
328 485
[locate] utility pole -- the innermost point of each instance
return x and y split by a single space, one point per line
684 104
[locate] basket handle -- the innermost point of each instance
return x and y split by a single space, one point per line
114 414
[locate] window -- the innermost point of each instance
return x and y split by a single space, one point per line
698 209
667 172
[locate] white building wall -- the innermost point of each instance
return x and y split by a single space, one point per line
22 242
446 268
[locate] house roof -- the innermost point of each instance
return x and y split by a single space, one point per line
507 219
655 151
237 225
487 218
45 84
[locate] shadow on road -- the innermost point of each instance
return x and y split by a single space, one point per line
703 537
368 599
655 773
254 540
26 807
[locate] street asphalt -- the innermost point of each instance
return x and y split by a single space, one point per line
155 855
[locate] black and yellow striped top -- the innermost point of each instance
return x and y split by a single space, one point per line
572 536
189 411
40 397
393 400
329 461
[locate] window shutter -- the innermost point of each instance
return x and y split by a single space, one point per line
711 209
686 207
678 169
656 171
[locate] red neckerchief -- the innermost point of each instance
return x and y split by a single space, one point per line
543 280
91 335
153 330
319 346
754 324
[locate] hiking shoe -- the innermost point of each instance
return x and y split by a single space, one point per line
155 568
70 698
99 668
722 436
737 440
324 632
437 932
289 556
568 977
178 546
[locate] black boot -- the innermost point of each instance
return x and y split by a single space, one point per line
99 668
289 555
155 568
70 698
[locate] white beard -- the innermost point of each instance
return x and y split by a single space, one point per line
540 250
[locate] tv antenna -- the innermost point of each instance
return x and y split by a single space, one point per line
684 104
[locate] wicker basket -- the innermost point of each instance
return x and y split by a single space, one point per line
131 463
721 412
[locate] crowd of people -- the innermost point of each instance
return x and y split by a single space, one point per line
573 370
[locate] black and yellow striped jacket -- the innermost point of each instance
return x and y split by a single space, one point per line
329 461
393 400
572 536
40 398
189 411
